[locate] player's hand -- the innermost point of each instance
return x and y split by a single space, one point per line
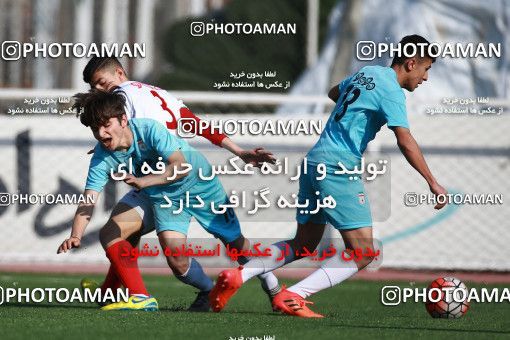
437 190
135 182
68 244
257 157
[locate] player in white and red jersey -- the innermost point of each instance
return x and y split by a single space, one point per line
147 101
133 216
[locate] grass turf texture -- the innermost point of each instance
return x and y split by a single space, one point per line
352 309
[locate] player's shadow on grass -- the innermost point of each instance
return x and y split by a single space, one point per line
50 305
182 308
420 328
173 309
233 312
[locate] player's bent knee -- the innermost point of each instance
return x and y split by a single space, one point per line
127 219
308 235
178 265
108 233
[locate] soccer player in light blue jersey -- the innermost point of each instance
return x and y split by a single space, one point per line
132 216
365 102
136 142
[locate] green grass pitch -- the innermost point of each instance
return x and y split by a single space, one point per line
353 309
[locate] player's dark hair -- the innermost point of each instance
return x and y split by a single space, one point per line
414 39
99 63
96 107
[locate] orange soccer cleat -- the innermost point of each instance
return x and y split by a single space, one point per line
229 281
293 304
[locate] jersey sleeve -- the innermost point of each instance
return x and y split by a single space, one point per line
99 172
214 137
393 108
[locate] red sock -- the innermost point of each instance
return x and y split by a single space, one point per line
126 268
111 280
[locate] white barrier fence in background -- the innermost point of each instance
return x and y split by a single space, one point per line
467 154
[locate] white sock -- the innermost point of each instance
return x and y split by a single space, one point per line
331 273
258 266
270 283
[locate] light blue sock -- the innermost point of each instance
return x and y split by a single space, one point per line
196 277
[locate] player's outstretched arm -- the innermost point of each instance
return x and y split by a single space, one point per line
81 220
174 169
255 157
412 152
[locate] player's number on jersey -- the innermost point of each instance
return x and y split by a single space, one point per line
170 125
345 103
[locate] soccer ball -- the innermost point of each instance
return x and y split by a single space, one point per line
450 303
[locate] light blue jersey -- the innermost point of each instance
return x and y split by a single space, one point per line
368 99
151 140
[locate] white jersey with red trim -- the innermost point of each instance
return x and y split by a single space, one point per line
147 101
